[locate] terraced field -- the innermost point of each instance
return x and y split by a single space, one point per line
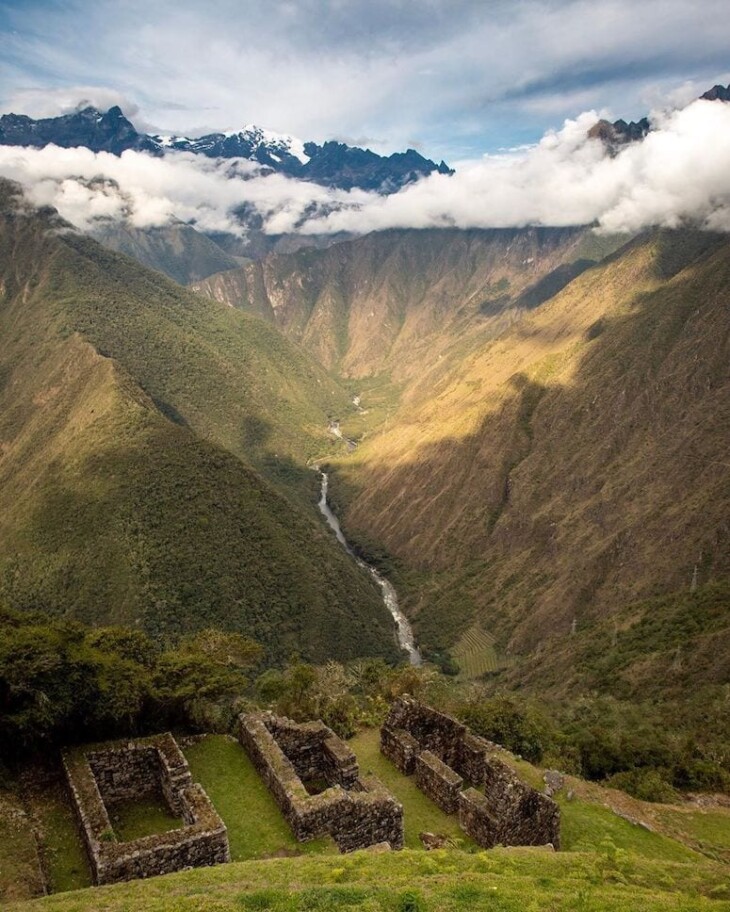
476 654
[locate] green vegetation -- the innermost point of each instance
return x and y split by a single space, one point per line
62 851
588 827
60 681
475 653
20 870
143 816
256 828
706 829
181 252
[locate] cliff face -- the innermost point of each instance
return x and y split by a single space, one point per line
397 300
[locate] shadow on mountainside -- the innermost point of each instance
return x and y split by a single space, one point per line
572 499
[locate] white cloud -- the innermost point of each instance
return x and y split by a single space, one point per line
679 173
85 186
52 102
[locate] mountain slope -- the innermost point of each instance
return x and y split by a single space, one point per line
572 465
131 416
396 300
179 251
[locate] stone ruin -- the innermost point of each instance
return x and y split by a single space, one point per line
315 780
461 774
122 771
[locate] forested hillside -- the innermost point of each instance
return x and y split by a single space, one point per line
136 420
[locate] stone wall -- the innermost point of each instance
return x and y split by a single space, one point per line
498 808
438 781
356 812
107 774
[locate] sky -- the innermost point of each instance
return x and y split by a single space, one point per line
505 91
453 78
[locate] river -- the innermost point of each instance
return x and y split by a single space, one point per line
403 628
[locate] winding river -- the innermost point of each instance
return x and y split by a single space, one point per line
403 628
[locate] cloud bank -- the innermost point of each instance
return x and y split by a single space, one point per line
679 174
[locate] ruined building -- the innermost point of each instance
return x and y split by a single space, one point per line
461 773
116 772
315 779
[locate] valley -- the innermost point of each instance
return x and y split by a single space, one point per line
332 520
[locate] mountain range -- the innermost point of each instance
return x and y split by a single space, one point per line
332 164
536 449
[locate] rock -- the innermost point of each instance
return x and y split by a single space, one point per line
554 782
434 841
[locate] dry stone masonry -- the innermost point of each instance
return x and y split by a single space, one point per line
461 774
315 779
121 771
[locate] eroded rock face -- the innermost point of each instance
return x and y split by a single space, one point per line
123 770
498 808
315 779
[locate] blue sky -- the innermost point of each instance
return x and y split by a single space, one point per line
453 78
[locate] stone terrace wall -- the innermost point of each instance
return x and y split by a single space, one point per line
445 755
356 812
161 767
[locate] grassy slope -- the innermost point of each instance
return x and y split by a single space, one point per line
256 828
20 872
125 404
502 879
571 466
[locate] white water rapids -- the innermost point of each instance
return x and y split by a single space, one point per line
403 628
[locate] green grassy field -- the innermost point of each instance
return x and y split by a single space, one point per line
475 653
256 828
20 872
64 857
502 880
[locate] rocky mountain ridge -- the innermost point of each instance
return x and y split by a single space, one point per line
621 132
332 164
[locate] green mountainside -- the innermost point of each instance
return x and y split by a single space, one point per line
136 420
178 250
396 300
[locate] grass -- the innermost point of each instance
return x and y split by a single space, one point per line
64 857
607 863
20 871
707 829
256 827
441 881
143 817
586 827
475 653
420 813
